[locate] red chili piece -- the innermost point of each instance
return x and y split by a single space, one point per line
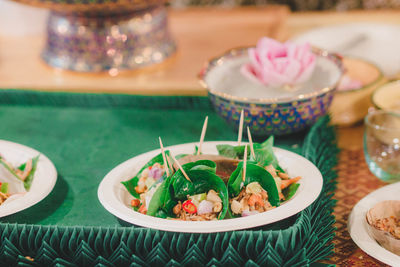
189 207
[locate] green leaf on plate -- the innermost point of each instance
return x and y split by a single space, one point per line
29 179
254 173
132 183
289 191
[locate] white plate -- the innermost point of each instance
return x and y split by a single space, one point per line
357 224
43 182
375 42
116 199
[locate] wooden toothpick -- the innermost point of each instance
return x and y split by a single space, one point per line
164 157
170 164
240 133
251 143
244 163
180 167
203 133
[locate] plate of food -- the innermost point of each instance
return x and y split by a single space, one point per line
26 177
373 218
210 186
363 40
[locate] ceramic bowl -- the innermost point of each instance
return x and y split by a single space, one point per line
377 215
270 111
387 96
105 36
350 103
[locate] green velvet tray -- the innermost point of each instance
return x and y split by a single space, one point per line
86 135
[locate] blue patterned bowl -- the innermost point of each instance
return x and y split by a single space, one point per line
270 111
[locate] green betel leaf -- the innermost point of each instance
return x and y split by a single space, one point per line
231 151
289 191
254 173
164 199
177 187
2 162
265 155
182 187
204 181
29 179
162 202
205 165
132 183
235 181
201 182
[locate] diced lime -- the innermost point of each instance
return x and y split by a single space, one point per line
4 188
196 199
253 188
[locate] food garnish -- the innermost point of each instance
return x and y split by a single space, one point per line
237 182
383 222
19 180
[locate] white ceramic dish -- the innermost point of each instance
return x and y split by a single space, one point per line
226 79
387 96
375 42
116 199
43 182
357 224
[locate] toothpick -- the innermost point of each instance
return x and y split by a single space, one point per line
251 142
170 164
244 163
203 133
164 158
240 133
180 167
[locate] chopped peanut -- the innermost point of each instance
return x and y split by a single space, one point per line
177 208
217 207
236 207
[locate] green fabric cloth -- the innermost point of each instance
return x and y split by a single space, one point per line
87 135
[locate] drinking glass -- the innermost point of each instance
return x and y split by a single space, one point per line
382 144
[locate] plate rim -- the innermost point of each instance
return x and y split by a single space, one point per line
357 217
33 197
106 190
365 26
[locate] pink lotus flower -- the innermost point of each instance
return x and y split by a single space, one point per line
276 64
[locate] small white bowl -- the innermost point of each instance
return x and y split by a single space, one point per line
387 96
350 106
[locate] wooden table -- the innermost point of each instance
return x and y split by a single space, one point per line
202 33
